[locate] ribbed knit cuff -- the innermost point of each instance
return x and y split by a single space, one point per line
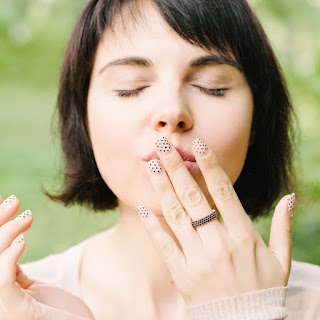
264 304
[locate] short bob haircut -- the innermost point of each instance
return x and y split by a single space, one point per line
231 28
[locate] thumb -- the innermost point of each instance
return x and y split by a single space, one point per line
281 232
24 281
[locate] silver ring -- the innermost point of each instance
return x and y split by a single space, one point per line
213 215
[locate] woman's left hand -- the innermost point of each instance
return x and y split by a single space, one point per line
218 259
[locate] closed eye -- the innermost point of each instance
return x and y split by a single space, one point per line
136 92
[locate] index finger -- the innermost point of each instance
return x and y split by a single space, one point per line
221 189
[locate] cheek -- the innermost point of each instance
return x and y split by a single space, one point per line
109 127
228 132
233 145
110 132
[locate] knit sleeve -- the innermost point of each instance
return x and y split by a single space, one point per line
266 304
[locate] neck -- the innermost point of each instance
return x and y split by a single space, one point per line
144 262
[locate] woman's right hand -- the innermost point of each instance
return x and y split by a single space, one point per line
20 296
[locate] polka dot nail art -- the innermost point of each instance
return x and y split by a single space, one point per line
155 166
291 202
9 200
18 240
163 145
200 146
143 211
23 215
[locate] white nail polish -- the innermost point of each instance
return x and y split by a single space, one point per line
143 211
163 145
23 215
18 240
291 202
200 146
8 201
155 166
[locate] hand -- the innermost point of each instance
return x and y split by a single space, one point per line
20 296
218 259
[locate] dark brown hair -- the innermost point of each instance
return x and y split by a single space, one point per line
222 25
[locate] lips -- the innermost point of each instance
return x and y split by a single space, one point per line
185 155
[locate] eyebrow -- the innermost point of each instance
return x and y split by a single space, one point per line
197 62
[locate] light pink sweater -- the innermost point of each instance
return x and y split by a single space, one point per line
300 300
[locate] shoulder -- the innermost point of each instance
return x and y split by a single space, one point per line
304 275
53 264
60 269
303 299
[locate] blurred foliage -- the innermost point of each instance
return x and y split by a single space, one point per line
33 37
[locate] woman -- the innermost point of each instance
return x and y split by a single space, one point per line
177 113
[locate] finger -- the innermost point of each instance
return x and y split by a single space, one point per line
221 189
281 232
8 209
8 271
13 228
173 211
170 252
23 280
187 189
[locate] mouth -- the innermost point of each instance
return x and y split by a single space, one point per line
187 157
191 165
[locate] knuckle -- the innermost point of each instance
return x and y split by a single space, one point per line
192 196
224 190
245 241
177 216
205 268
220 253
177 166
166 247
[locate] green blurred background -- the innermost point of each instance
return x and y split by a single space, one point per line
33 37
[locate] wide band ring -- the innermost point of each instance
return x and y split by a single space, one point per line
213 215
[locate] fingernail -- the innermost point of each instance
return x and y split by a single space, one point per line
291 202
143 211
155 166
200 146
18 240
23 215
8 201
163 145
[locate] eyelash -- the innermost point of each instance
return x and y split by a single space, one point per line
136 92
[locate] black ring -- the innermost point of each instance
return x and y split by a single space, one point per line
213 215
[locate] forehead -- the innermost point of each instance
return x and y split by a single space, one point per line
139 29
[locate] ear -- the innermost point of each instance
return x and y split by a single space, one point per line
252 138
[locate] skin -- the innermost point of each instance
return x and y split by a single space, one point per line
153 267
124 129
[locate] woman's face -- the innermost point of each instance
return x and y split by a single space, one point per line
172 103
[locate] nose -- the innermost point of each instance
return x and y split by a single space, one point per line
172 115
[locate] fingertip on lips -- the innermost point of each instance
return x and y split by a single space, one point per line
200 147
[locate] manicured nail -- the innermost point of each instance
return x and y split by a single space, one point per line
163 145
18 240
23 215
8 201
200 146
143 211
291 202
155 166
